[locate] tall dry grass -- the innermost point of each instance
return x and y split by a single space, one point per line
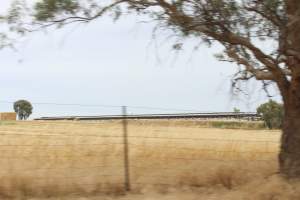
168 160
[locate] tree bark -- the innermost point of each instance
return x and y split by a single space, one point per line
289 157
293 26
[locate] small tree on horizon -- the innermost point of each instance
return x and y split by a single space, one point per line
272 113
23 108
236 110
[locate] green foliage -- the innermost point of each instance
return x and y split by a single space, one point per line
236 110
47 9
23 109
237 125
272 114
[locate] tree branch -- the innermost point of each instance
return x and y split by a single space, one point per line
273 19
258 73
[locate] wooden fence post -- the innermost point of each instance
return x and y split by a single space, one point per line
126 150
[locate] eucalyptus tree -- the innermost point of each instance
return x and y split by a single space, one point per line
260 36
23 108
272 114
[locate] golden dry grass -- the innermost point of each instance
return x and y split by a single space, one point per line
8 116
168 159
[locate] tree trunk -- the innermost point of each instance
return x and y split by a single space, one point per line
293 26
289 157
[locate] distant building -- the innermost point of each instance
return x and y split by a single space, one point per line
8 116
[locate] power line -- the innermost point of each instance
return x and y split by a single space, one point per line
111 106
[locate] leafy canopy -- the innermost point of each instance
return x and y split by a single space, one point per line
23 109
272 113
47 9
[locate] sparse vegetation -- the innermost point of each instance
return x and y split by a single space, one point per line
7 123
223 124
67 160
257 125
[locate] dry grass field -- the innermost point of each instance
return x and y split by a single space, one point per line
168 160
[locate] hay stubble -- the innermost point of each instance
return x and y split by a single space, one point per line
61 159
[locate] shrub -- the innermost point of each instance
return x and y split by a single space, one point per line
272 114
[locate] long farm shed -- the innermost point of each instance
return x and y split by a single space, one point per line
219 115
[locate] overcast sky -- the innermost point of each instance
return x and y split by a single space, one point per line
109 63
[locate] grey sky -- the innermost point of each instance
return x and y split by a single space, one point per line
115 64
